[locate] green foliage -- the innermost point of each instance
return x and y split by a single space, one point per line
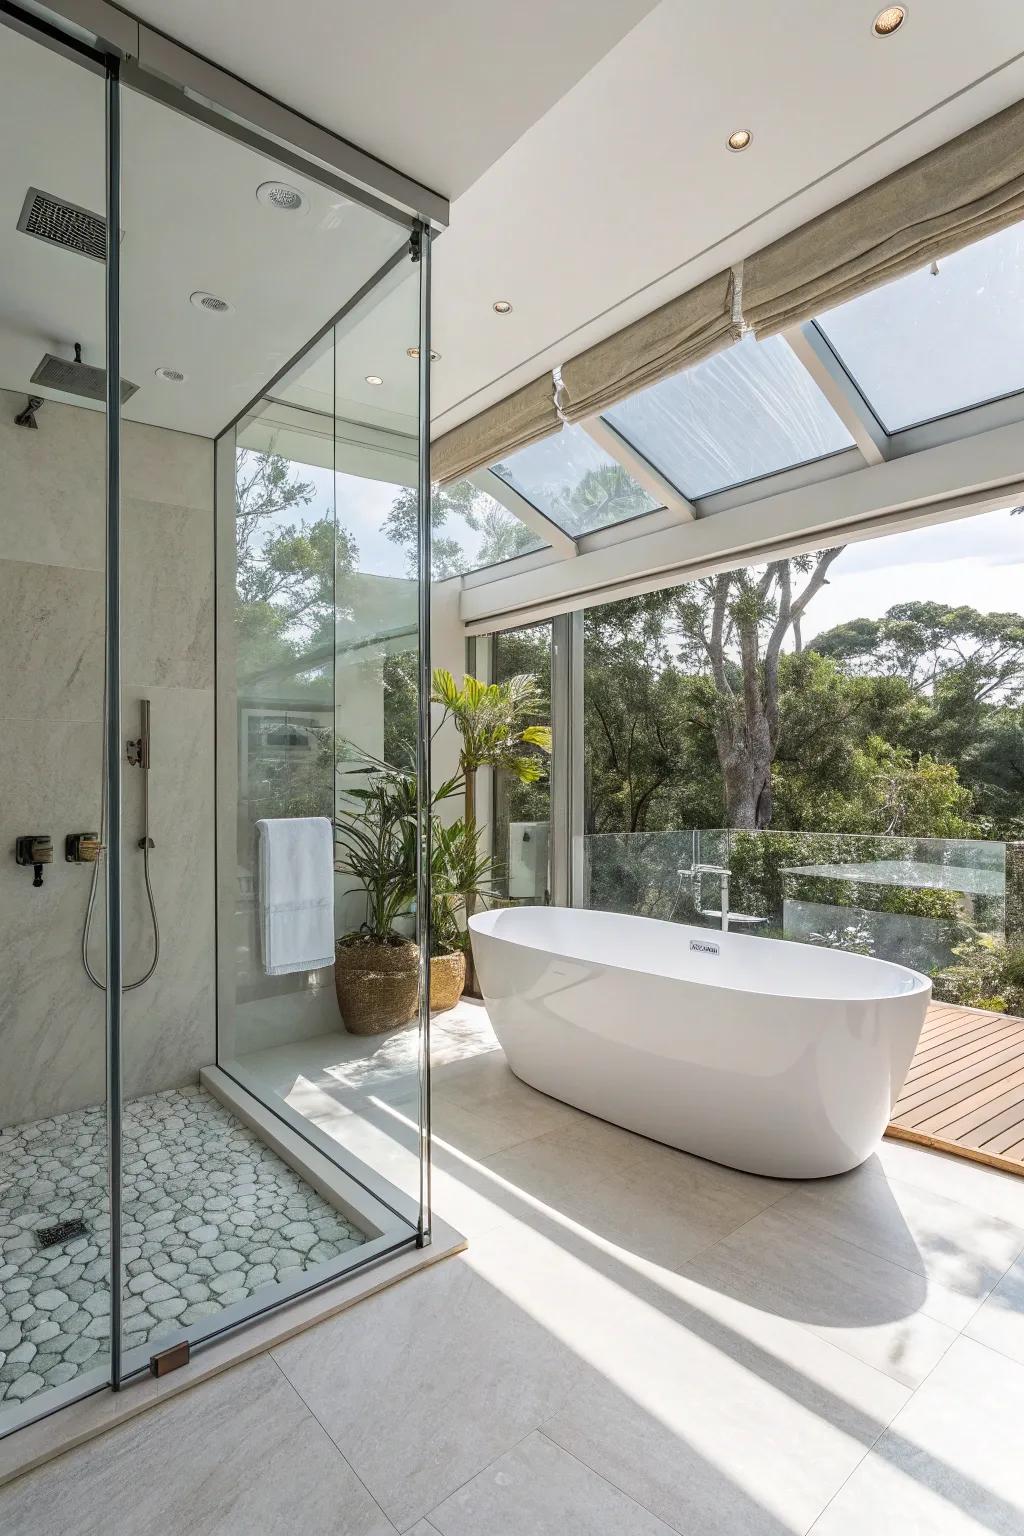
377 840
460 875
492 720
989 973
501 534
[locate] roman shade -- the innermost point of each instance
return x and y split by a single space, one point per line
521 418
956 194
675 336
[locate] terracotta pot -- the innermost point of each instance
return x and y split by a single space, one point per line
377 985
447 979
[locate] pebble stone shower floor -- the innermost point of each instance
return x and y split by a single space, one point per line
210 1216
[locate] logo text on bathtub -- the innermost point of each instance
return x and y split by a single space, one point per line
704 947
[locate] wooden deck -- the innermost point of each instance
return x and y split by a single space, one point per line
964 1092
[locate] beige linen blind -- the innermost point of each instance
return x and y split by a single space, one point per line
675 336
520 419
968 188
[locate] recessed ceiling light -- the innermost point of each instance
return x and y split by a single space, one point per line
415 352
210 302
741 139
170 375
889 21
374 378
281 197
502 307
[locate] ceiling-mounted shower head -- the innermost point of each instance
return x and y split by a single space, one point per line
77 378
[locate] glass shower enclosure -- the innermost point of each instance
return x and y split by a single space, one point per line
213 405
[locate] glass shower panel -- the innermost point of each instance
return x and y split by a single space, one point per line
230 263
54 1206
325 719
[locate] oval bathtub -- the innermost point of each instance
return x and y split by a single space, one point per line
774 1057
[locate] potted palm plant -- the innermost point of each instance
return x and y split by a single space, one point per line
460 874
494 722
376 969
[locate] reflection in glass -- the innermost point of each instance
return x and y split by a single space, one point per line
938 340
574 482
522 812
744 413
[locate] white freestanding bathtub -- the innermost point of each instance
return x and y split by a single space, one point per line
774 1057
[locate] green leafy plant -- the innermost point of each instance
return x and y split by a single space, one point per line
460 875
493 722
989 973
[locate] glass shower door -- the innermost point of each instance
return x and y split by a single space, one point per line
54 1204
323 724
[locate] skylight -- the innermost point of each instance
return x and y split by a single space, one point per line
938 341
742 414
574 483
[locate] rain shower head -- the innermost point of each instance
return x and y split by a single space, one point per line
77 378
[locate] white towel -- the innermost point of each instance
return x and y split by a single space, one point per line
296 893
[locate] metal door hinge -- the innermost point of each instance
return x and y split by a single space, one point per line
170 1359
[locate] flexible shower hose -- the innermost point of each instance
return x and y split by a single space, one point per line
129 986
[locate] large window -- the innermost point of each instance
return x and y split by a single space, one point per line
522 812
843 732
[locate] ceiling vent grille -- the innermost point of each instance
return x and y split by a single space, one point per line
51 219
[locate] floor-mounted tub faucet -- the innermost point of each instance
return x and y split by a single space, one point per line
696 871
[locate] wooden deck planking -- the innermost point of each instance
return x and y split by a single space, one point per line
964 1092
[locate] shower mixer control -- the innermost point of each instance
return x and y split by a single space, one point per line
33 850
82 848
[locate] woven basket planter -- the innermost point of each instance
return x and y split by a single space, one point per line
377 986
447 979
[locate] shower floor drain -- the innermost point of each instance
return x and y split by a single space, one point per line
61 1232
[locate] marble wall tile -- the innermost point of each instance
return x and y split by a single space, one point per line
52 1037
167 606
52 1030
51 642
174 468
169 1024
54 485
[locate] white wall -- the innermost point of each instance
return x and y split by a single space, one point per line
52 578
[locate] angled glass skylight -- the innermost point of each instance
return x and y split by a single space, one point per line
472 530
737 416
574 482
938 341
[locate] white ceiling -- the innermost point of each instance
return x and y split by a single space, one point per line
439 91
618 197
190 220
624 194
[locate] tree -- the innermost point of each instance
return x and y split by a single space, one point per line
736 625
934 645
291 577
502 534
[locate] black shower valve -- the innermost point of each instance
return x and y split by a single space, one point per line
33 850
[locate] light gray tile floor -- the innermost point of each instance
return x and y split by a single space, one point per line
635 1343
211 1215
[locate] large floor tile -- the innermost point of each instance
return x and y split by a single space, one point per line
426 1385
663 1209
238 1456
958 1246
886 1315
719 1419
950 1464
538 1489
1000 1322
957 1178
